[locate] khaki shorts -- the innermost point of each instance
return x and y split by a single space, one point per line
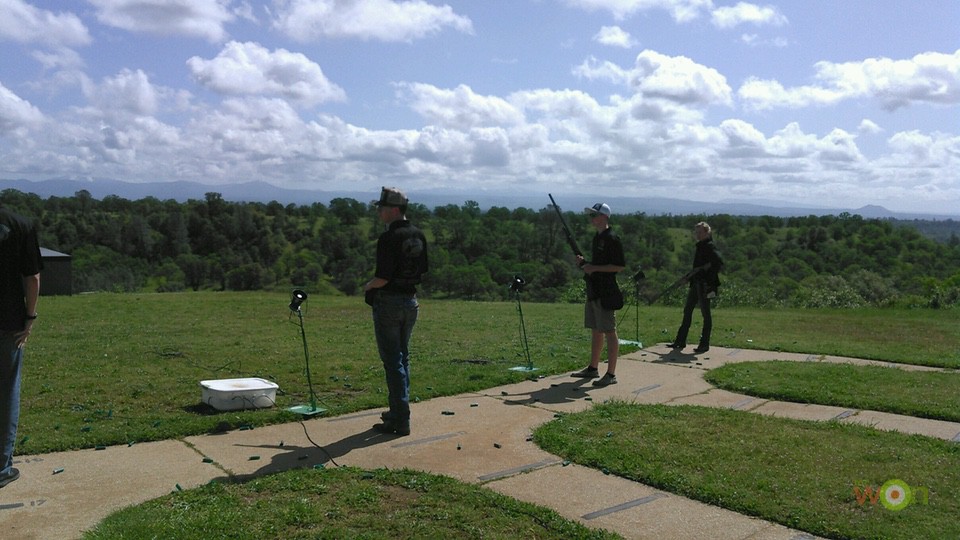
597 318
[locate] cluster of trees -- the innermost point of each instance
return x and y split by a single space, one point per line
165 245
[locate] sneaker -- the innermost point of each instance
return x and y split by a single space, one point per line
701 349
10 477
586 373
676 345
391 428
606 380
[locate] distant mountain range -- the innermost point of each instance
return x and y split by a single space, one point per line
264 192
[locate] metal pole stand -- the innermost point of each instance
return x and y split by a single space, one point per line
310 409
637 278
523 335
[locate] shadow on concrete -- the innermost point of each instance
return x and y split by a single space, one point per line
299 457
675 357
565 392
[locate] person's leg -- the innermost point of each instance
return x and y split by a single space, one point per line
410 312
11 358
607 331
613 351
681 340
596 348
707 320
591 322
388 328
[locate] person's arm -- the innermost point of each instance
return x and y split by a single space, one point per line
615 256
612 268
375 283
31 294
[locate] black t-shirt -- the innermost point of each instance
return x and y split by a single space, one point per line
19 257
705 253
606 248
401 257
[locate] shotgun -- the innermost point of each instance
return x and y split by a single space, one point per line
566 230
683 279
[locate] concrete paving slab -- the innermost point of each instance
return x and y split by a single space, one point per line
907 424
803 411
60 495
467 437
638 382
631 509
492 436
721 399
559 393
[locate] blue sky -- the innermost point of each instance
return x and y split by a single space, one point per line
825 103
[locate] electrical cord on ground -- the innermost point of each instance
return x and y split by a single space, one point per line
322 449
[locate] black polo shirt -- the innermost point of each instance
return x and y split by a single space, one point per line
401 257
605 248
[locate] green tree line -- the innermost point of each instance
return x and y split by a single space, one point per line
165 245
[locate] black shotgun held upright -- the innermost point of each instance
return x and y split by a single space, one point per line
566 230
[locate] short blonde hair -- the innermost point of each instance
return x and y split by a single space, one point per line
705 226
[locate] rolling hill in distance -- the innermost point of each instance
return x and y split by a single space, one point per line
264 193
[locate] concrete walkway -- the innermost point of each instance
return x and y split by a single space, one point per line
484 441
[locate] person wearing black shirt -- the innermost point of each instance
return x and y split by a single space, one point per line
20 265
606 260
704 282
392 293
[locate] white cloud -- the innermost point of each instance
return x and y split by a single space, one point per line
869 127
128 92
459 108
592 69
244 11
926 78
731 16
680 10
921 166
195 18
761 94
676 79
16 112
913 148
679 79
754 40
614 36
59 59
251 69
742 139
24 23
383 20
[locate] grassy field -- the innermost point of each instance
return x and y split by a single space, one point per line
117 368
923 394
341 503
802 474
106 369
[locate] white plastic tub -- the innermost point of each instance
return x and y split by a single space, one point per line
235 394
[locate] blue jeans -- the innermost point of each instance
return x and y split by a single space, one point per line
10 359
394 316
